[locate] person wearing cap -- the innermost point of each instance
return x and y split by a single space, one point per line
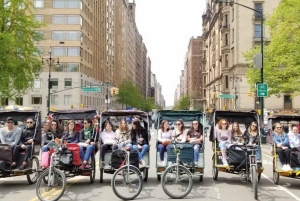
10 135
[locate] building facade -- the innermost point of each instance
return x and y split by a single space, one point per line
228 32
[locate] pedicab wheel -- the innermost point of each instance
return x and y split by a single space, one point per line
101 175
145 174
33 173
131 182
170 177
201 178
93 171
254 181
158 177
276 177
215 170
258 177
58 179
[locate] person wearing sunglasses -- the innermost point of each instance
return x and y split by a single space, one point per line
195 137
25 143
224 138
281 141
179 130
10 135
251 137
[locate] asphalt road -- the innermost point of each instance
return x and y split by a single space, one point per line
228 187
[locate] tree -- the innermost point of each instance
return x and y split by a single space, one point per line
18 61
182 104
282 55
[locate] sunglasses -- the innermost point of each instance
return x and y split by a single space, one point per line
254 125
195 123
29 122
224 123
177 124
278 127
10 122
53 124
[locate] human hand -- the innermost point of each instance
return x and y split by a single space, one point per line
29 141
88 141
23 146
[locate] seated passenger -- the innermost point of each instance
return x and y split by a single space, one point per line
86 136
139 138
10 134
224 138
294 138
236 134
72 136
164 138
25 143
124 139
56 131
179 129
108 141
195 137
281 141
251 137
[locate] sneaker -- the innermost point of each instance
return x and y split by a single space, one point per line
22 167
13 166
82 166
196 163
225 163
142 162
87 166
288 167
284 167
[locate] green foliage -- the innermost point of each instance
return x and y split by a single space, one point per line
282 55
130 95
18 64
182 104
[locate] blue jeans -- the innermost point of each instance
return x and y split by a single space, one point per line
45 148
222 145
86 156
197 148
121 145
143 152
258 153
161 148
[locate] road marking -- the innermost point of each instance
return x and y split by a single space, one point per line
282 188
68 186
218 194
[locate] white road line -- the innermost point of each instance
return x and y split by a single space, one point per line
282 188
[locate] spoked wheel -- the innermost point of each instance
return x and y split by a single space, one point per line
127 185
276 177
33 174
177 181
53 190
215 170
254 178
93 171
145 174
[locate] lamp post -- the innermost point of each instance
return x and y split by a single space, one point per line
234 79
260 11
50 61
107 84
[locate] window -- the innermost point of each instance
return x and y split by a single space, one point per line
19 101
226 40
68 82
35 100
54 82
257 6
54 100
73 35
68 99
58 35
39 18
66 19
66 3
287 102
226 21
73 51
58 51
38 3
226 81
72 67
226 61
232 35
257 30
37 84
4 101
66 51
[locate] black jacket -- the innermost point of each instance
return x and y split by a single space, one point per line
27 134
139 133
48 136
247 136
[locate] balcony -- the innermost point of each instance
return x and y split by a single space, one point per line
225 28
225 49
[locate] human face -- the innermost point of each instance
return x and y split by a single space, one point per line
108 127
278 128
235 126
195 125
253 126
29 123
53 125
224 124
86 124
71 126
295 130
166 125
133 126
123 124
10 124
178 124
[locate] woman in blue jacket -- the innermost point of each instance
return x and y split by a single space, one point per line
72 136
281 141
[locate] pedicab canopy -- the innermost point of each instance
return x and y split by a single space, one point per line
174 115
124 113
74 114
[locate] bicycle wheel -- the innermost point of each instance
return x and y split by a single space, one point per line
56 187
254 181
171 178
127 185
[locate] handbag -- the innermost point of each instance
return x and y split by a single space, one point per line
5 153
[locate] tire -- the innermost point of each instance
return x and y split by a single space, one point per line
40 180
145 174
183 170
33 174
158 177
201 178
215 170
258 177
254 181
121 171
276 177
93 171
101 175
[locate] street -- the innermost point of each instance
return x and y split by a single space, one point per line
228 187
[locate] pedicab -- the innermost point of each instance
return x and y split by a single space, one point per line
106 165
31 171
69 162
186 149
241 158
285 119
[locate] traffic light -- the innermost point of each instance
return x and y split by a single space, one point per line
232 100
72 106
117 90
113 91
81 105
249 93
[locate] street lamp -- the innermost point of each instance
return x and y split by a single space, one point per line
107 84
50 61
261 45
235 79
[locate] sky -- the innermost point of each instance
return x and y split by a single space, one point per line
166 27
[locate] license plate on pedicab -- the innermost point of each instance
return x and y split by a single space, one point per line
252 160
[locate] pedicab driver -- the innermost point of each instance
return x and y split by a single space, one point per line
10 134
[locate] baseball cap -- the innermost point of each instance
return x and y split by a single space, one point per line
9 119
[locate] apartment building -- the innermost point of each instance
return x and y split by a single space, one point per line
228 32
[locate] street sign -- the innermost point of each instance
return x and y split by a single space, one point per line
91 89
262 90
226 96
